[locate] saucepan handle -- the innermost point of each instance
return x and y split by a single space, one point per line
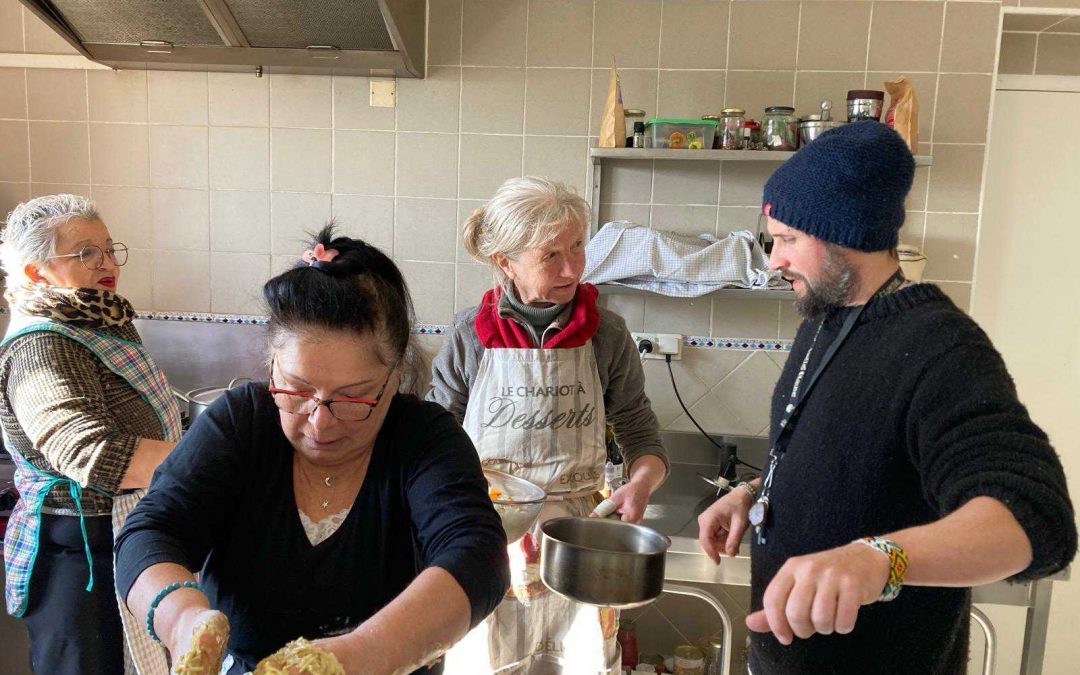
725 617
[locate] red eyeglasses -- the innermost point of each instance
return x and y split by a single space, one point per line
344 408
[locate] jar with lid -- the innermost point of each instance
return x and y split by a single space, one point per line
730 133
752 139
780 128
689 660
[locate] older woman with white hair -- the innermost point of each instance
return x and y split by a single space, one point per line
534 372
86 416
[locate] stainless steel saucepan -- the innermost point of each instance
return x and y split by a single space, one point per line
198 400
609 563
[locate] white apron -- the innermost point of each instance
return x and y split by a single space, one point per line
539 414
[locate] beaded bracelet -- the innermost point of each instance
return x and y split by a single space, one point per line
897 564
161 596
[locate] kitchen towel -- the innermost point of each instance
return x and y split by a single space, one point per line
676 265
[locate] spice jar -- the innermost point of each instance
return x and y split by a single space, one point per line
689 660
779 128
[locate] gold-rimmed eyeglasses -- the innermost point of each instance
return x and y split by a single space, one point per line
92 257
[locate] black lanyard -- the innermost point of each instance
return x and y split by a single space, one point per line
759 512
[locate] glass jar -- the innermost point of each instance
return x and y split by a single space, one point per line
719 129
730 133
779 128
627 639
752 136
651 663
689 660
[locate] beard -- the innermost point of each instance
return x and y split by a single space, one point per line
836 285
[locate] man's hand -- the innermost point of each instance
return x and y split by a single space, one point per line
821 593
722 525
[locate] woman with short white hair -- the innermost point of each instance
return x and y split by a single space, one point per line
534 373
87 416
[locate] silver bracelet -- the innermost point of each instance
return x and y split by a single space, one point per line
749 488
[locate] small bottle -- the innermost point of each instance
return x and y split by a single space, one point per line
639 134
609 479
627 639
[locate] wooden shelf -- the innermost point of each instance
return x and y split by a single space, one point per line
743 293
708 155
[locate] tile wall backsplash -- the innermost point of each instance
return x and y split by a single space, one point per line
213 179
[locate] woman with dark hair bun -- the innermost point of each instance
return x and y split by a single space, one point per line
335 522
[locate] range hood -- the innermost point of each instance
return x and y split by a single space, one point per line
344 37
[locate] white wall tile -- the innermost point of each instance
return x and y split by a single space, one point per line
180 219
300 101
240 158
486 163
239 99
558 158
557 101
432 287
493 33
293 217
492 100
56 95
59 152
13 93
240 221
364 162
472 282
301 159
367 218
14 151
427 165
178 97
431 104
691 315
126 212
181 281
424 229
117 95
179 157
136 282
120 154
236 281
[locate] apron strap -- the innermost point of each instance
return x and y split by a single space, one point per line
76 493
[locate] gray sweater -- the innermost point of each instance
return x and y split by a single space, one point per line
626 406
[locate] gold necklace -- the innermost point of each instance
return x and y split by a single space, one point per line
328 481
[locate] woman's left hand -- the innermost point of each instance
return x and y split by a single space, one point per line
631 499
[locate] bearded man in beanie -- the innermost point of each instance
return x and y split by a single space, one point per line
903 470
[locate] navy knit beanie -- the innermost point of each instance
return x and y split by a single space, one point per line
847 187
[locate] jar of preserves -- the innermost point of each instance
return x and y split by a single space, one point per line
779 128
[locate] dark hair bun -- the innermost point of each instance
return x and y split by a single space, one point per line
360 290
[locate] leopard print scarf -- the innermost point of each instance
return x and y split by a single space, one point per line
83 307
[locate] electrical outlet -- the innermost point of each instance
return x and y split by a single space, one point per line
658 345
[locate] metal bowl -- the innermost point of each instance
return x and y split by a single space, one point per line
519 504
810 129
603 562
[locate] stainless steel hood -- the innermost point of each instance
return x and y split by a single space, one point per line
344 37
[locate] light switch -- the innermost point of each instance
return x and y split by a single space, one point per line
383 93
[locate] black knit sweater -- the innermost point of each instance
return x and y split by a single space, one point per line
915 416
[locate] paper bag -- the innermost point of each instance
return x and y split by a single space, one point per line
903 114
613 121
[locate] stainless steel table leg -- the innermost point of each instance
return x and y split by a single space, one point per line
1038 619
990 648
725 618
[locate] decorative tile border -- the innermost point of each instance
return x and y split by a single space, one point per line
696 341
